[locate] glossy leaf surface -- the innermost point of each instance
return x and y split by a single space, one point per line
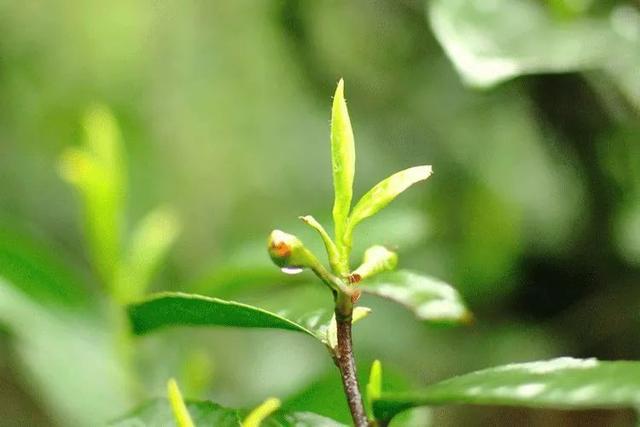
343 158
563 383
428 298
179 309
385 191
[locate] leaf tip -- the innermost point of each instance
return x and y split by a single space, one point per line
261 412
179 408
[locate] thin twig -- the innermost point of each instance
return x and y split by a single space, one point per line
346 363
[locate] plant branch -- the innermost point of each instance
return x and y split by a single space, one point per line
346 363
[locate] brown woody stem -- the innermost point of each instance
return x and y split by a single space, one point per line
345 361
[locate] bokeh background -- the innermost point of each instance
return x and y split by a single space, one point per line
528 111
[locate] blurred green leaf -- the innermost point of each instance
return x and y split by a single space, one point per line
148 247
158 413
179 309
343 157
384 192
489 42
428 298
229 280
299 419
35 270
65 355
97 171
563 383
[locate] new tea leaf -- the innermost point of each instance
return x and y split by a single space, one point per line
343 158
97 171
148 247
428 298
384 192
563 383
178 407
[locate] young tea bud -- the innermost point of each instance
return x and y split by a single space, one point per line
376 260
288 252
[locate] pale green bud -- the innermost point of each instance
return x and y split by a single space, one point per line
376 260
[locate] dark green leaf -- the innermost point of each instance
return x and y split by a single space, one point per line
33 269
179 309
157 413
428 298
563 383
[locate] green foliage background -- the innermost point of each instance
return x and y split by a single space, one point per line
528 110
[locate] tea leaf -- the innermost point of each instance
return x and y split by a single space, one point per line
384 192
97 171
343 157
178 407
148 247
428 298
262 411
563 383
179 309
374 386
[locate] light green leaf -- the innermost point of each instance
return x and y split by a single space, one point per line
490 43
64 355
384 192
148 247
97 171
374 386
178 407
332 250
331 335
179 309
563 383
376 259
158 413
428 298
262 411
343 157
